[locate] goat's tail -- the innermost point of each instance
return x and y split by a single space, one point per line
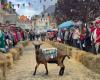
65 57
68 56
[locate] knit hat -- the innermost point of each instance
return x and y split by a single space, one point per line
97 22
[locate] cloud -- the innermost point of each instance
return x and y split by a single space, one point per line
27 12
36 8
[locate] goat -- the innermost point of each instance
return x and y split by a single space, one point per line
3 66
40 59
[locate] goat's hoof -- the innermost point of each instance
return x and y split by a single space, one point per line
46 73
61 73
33 74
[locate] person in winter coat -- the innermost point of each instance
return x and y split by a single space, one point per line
15 38
76 36
2 41
66 36
31 35
96 37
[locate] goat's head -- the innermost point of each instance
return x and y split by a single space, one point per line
37 45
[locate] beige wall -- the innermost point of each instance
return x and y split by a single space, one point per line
1 18
12 18
42 22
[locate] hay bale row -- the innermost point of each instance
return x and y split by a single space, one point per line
7 60
89 60
3 66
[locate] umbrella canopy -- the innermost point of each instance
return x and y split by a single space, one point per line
67 24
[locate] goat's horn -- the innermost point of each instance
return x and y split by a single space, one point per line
41 43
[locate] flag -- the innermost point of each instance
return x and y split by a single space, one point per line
29 4
13 5
40 1
44 7
6 6
10 4
23 5
18 5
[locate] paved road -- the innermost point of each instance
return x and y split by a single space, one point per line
23 69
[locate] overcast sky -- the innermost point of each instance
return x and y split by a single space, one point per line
36 8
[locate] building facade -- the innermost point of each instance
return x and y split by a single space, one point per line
7 14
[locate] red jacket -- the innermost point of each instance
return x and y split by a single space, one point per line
98 35
15 37
21 33
82 37
92 29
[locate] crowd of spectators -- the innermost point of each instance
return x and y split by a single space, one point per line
9 38
84 37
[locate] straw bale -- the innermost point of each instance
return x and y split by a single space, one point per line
87 59
15 53
74 53
96 64
9 58
19 50
3 66
79 55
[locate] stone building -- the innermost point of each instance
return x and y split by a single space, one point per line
7 14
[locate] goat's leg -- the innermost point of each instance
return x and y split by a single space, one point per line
61 72
46 69
35 69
